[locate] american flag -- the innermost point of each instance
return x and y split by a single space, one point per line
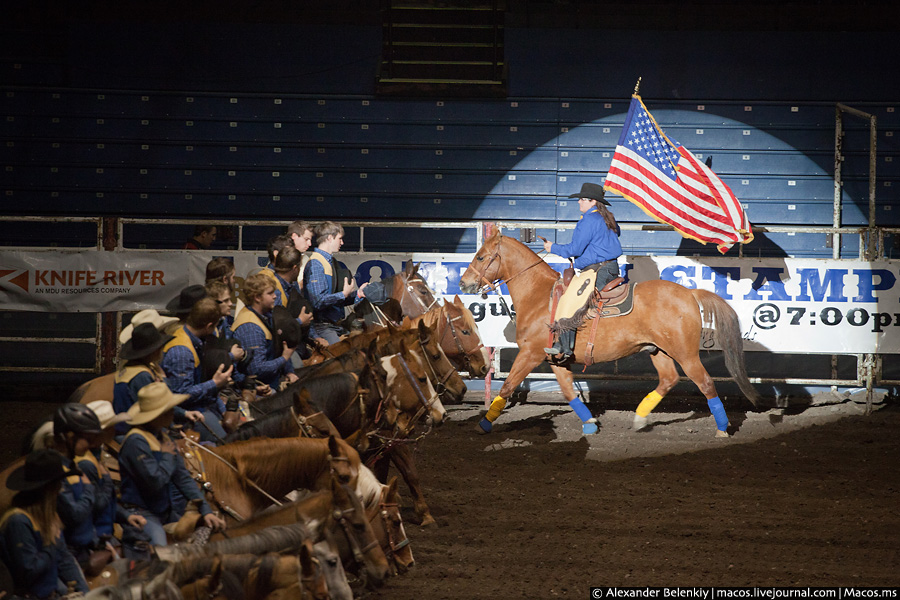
668 182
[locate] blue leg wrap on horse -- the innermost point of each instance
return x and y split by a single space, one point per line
580 409
486 425
718 412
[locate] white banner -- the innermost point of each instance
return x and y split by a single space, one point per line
785 305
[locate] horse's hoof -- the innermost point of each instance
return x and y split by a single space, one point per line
639 423
428 521
721 434
589 428
484 426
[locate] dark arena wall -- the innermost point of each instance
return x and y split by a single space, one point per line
223 110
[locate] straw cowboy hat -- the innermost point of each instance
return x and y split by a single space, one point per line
146 316
592 191
42 467
153 400
185 301
145 340
107 414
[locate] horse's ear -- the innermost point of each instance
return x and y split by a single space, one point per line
392 487
307 567
416 268
457 301
408 268
333 447
424 332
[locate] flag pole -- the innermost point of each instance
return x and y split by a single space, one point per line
637 86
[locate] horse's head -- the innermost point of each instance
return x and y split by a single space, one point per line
313 580
329 559
389 513
484 268
412 291
444 376
344 461
460 339
351 521
409 393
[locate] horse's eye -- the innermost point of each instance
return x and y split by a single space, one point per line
465 332
435 356
332 562
479 258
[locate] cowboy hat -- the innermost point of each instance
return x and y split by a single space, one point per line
592 191
153 400
145 316
106 414
145 340
185 301
41 468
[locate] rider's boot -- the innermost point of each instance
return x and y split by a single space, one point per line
564 345
588 422
487 423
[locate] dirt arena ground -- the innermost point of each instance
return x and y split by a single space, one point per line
797 497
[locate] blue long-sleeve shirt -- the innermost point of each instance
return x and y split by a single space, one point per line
265 364
37 569
328 306
592 242
75 505
148 474
182 375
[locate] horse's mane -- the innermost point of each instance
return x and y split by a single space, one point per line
276 424
278 538
258 520
272 463
368 488
324 386
34 439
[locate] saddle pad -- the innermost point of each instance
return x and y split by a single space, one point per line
577 294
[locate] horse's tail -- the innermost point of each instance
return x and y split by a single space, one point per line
718 313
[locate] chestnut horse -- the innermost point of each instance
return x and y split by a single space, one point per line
666 321
456 331
239 470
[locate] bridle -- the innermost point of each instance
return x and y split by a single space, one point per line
408 291
456 338
383 505
441 386
341 517
493 286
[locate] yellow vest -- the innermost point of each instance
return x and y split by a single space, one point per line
271 275
248 316
17 511
326 264
151 439
129 372
183 339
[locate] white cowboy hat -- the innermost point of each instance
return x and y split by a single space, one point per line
153 400
146 316
107 415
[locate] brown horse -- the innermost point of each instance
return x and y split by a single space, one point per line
98 388
246 476
457 333
382 503
666 321
267 576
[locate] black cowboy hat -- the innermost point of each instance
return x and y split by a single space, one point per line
41 468
145 339
592 191
287 328
185 301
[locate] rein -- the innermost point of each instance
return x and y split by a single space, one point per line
237 472
494 286
408 290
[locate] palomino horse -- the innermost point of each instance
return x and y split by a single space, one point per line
456 331
666 321
267 576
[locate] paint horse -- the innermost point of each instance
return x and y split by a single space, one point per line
666 321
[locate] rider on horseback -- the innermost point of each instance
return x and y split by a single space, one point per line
595 245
